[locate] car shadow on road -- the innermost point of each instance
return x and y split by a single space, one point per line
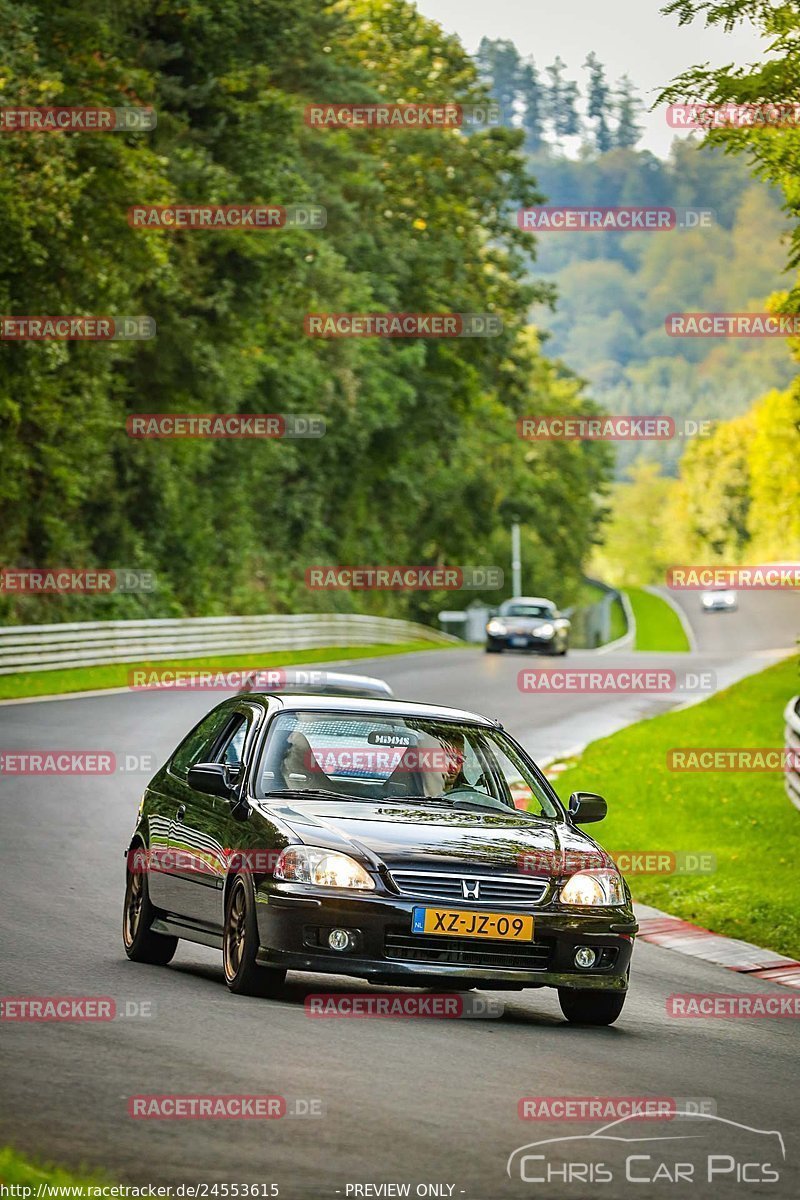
298 988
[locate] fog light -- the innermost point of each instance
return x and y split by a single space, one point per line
342 939
585 956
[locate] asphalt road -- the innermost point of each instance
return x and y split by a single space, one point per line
422 1102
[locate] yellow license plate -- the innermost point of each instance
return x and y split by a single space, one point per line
451 922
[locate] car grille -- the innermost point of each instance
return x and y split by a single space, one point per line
467 952
492 889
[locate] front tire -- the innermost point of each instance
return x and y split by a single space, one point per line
589 1007
243 975
141 944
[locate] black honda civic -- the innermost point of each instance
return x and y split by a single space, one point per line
395 842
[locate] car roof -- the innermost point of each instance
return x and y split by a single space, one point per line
351 704
529 600
333 683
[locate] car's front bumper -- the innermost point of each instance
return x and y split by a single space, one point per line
522 641
293 927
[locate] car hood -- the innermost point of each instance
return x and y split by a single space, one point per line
397 834
525 624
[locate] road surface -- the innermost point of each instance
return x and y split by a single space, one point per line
418 1102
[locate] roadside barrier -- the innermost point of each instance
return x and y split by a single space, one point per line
97 643
792 718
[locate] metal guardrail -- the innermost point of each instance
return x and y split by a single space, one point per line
98 643
592 622
792 718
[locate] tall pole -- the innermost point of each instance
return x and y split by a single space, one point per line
516 563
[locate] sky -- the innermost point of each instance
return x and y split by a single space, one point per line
629 37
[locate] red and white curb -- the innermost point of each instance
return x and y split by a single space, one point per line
675 934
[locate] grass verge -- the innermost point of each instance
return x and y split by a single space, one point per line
619 624
85 679
15 1168
657 624
744 819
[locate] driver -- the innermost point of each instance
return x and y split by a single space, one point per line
453 777
300 769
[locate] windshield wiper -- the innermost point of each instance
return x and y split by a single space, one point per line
299 793
488 805
415 800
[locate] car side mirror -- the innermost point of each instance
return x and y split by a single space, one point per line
211 778
586 807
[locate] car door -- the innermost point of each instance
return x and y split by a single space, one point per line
166 796
198 850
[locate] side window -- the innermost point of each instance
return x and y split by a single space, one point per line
521 793
199 742
230 749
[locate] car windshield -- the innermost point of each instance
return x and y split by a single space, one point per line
527 610
407 759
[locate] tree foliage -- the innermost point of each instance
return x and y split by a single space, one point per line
551 108
735 501
421 462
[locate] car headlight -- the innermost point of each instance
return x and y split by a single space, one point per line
496 628
546 630
324 868
594 887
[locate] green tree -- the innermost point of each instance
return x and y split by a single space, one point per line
634 550
773 455
770 140
500 67
597 103
421 459
532 97
561 102
628 110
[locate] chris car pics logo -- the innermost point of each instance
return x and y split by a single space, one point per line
689 1148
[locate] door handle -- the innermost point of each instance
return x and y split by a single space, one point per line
181 813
